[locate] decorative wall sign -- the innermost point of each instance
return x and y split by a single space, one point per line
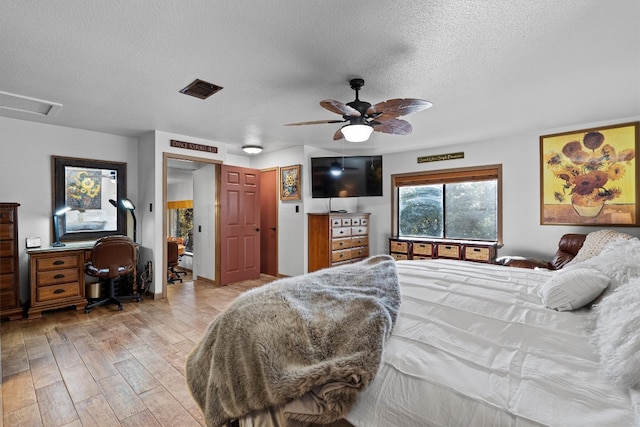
440 157
193 146
290 182
589 177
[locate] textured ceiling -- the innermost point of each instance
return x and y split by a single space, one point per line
490 67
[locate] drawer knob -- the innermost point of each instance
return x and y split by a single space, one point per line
58 262
58 291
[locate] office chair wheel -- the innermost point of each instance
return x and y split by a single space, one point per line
120 307
87 310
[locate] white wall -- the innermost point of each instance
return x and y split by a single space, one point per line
520 159
26 174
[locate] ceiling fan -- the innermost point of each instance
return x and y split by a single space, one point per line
365 118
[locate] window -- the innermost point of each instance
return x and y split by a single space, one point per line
449 204
181 222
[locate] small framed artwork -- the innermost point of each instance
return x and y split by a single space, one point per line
290 182
590 177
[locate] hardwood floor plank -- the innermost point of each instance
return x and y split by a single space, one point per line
55 404
98 364
137 376
152 361
26 416
14 360
66 355
141 419
167 410
96 411
122 399
44 371
80 383
18 391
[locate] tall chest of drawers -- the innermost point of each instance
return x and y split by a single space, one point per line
9 266
337 238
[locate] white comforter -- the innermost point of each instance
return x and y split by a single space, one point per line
474 346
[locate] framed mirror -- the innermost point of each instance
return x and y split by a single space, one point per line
86 186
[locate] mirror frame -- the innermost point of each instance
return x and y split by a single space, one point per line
59 165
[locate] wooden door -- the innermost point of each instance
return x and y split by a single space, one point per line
239 224
269 222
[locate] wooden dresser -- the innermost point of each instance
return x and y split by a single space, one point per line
337 238
57 278
9 263
467 250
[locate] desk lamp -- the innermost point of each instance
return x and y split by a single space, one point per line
127 204
56 225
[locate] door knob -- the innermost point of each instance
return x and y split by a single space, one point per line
257 229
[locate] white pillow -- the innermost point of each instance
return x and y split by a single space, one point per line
572 289
617 336
619 260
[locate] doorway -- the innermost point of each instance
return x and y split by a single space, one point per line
269 221
193 179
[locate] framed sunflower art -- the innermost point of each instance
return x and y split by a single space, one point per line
290 182
590 176
86 186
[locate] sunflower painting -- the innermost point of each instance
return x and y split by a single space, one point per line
84 189
589 177
290 183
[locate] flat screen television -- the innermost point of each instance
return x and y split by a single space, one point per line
353 176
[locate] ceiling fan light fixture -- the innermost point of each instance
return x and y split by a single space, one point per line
357 133
252 149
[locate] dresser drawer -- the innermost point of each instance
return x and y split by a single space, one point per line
346 222
7 248
7 299
421 257
337 256
46 278
401 247
56 262
7 281
337 244
477 254
7 216
359 231
6 231
448 251
425 249
6 265
341 232
56 292
359 253
399 257
336 222
359 241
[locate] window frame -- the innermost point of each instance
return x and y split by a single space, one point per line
446 176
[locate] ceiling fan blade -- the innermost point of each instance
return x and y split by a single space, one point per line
315 122
394 127
338 135
339 108
398 107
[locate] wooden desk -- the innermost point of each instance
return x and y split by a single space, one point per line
57 278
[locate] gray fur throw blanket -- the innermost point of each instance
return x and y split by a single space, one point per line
312 338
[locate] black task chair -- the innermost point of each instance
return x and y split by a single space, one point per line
172 262
112 257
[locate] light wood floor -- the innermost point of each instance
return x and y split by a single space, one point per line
109 367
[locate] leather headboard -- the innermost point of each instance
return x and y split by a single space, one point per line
568 247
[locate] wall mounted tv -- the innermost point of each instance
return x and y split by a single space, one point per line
353 176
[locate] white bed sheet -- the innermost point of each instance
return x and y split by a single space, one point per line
474 346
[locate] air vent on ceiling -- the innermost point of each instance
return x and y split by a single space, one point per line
25 104
201 89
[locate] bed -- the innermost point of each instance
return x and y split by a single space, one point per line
476 345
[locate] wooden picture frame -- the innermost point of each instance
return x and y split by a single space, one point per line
85 186
589 177
290 183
